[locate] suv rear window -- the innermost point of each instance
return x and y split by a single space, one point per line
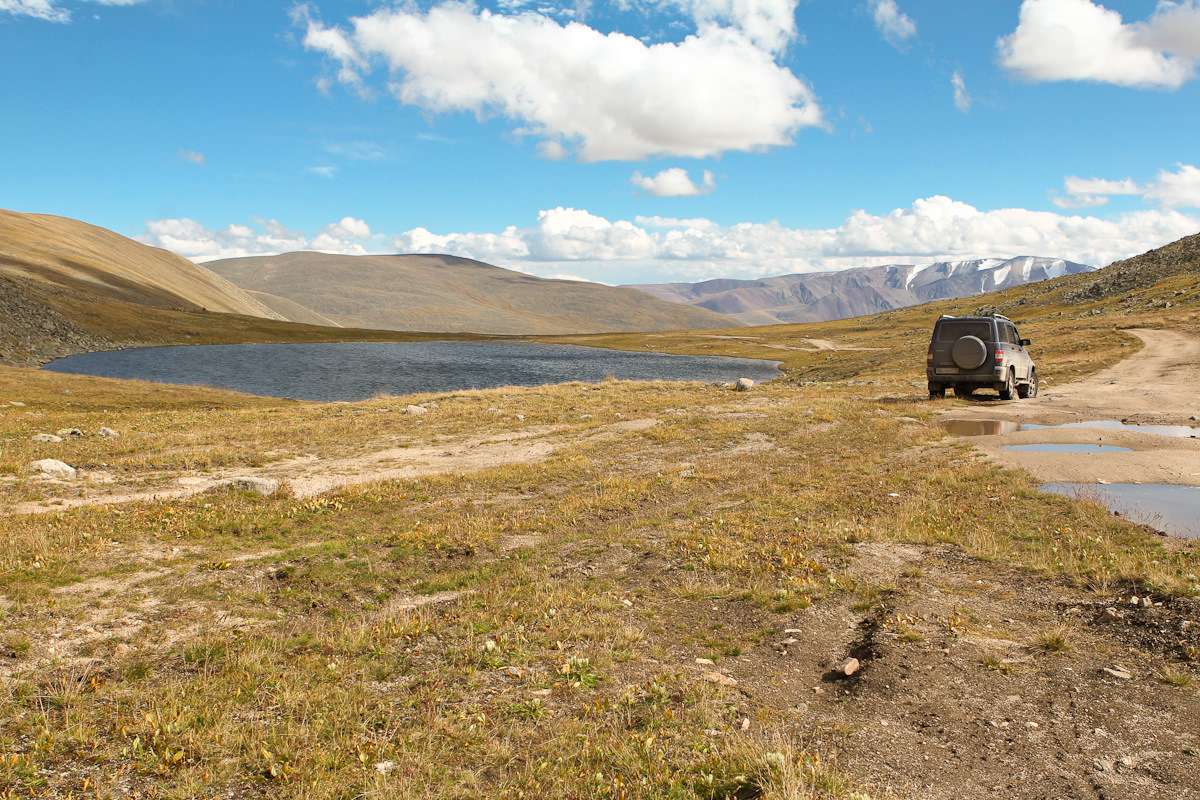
951 331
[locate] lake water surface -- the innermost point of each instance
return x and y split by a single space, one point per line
358 370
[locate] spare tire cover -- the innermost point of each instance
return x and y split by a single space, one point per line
969 352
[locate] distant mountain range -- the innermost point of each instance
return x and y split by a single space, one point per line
824 296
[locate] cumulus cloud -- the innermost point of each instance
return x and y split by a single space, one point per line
1058 40
674 182
653 249
192 156
896 26
582 92
962 98
264 237
1180 189
768 24
570 241
51 10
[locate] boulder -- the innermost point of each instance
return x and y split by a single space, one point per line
45 437
247 483
65 432
108 432
743 385
53 468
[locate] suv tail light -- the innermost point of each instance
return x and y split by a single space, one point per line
929 356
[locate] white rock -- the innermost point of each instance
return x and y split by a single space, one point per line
263 486
743 385
723 680
415 410
45 437
109 432
53 468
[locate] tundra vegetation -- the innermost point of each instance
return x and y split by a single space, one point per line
600 623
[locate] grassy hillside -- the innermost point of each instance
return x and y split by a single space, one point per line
74 255
655 606
444 293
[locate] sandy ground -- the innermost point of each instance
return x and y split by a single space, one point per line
1159 385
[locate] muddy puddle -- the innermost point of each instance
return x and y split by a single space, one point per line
995 427
1174 510
1067 448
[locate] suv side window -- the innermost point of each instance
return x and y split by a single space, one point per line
1010 334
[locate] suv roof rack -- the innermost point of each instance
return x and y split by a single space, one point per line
1000 316
947 316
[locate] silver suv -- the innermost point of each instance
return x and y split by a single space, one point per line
969 353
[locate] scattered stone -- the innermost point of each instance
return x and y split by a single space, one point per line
1109 614
705 662
849 667
514 672
541 692
108 433
1118 672
1147 602
385 767
1133 601
718 678
16 403
45 437
53 468
65 432
247 483
687 473
746 724
743 385
415 410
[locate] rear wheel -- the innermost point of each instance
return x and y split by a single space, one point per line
937 390
1010 386
1030 388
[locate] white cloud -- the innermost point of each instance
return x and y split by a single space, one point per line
1176 190
576 243
655 249
674 182
325 172
962 98
896 26
768 24
192 156
51 10
348 228
579 91
265 237
1170 190
1079 40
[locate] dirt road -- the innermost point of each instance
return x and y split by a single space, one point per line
1157 385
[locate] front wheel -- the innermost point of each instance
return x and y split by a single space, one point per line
1010 386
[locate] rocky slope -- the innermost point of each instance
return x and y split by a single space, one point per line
823 296
445 293
1120 277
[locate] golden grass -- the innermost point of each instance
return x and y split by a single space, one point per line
514 632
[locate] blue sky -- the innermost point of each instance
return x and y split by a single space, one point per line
640 141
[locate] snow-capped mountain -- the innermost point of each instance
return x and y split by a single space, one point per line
822 296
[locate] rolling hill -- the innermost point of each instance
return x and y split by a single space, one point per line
446 293
74 255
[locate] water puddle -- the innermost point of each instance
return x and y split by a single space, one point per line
1178 431
978 427
1067 448
993 427
1174 510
